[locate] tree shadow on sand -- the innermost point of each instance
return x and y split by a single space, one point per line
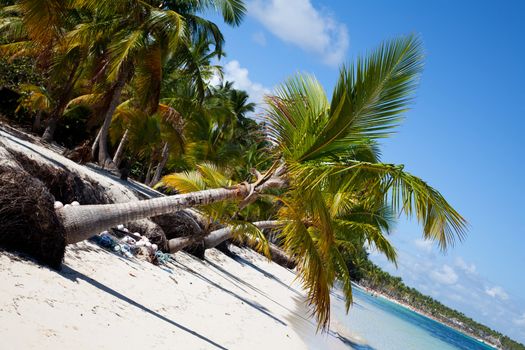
74 275
254 305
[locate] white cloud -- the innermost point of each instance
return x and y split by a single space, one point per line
299 23
469 268
497 292
424 245
520 321
240 76
259 38
445 275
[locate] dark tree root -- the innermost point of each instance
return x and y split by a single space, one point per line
28 223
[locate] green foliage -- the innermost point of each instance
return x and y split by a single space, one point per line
14 73
330 152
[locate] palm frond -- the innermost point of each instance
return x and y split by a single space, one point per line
343 275
248 231
315 270
406 193
186 182
368 102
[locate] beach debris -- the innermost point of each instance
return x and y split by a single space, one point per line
125 245
75 203
163 258
58 205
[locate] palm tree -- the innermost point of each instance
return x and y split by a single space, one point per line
326 162
149 136
143 34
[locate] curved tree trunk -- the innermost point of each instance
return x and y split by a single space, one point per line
63 99
117 158
162 164
217 237
104 159
82 222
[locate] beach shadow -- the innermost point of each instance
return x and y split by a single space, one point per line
245 262
74 275
307 326
254 305
351 343
236 281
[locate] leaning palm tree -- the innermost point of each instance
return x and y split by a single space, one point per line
326 162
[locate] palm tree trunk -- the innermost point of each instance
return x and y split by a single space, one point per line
104 159
37 122
49 131
277 254
63 100
179 243
162 164
82 222
94 147
117 158
147 180
217 237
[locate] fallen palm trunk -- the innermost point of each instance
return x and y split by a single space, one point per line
280 257
214 238
217 237
74 224
82 222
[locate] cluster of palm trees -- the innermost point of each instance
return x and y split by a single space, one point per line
138 66
314 174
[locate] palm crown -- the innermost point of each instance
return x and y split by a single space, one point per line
338 194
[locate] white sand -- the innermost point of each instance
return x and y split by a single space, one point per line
102 301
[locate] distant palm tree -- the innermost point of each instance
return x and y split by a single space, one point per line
326 163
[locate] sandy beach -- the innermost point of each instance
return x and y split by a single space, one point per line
103 301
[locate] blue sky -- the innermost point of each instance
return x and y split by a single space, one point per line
463 135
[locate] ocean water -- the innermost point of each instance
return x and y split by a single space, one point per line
375 323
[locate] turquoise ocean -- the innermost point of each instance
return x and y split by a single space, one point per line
375 323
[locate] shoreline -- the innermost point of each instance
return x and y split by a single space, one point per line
373 292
